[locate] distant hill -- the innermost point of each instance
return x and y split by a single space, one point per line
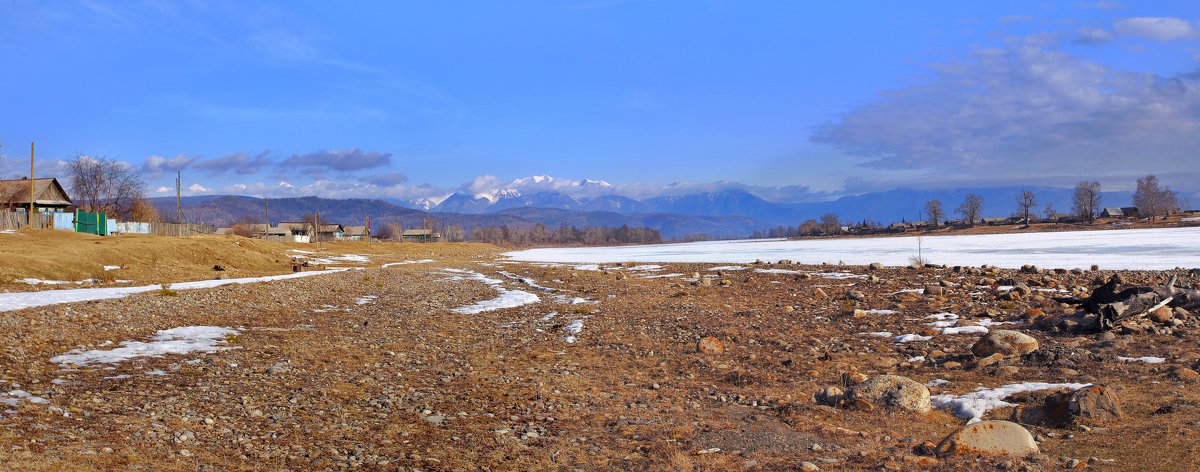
724 214
226 210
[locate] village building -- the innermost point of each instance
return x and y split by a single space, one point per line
48 194
355 233
421 235
1119 212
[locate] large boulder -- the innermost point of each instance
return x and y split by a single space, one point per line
893 391
988 437
1091 404
1007 342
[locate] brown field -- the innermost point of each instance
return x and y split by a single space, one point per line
315 380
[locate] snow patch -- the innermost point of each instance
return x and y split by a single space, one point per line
907 338
507 299
974 405
182 340
1146 359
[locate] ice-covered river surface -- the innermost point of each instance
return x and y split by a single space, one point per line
1150 249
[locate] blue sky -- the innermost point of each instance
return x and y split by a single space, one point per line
792 100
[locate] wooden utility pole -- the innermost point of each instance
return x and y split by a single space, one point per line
368 228
31 185
267 209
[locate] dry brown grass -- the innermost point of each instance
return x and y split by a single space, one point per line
144 259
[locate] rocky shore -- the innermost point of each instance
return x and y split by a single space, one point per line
469 362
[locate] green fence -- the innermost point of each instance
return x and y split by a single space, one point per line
94 223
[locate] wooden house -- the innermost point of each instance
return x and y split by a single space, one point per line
47 193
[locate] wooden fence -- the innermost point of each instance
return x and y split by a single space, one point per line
179 229
18 219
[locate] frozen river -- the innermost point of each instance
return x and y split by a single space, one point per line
1112 249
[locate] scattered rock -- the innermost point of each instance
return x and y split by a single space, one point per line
855 295
1006 342
875 266
710 345
1095 403
934 290
989 437
831 396
894 391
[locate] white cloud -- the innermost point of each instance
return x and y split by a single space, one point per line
1157 28
156 166
1020 111
1089 35
197 188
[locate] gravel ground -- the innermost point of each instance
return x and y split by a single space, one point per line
373 370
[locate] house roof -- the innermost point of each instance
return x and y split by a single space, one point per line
46 192
330 228
356 231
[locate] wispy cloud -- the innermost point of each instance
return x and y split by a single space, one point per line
1157 28
1020 110
350 159
238 163
156 166
389 179
1089 35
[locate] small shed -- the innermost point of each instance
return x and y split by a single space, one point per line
421 235
355 233
47 193
1119 212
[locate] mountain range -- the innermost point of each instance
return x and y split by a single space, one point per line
728 213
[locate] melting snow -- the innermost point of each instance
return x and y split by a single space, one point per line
365 299
937 382
965 330
1146 359
180 340
905 338
507 299
111 267
20 300
548 316
886 334
574 328
974 405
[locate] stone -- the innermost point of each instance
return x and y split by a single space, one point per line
710 345
894 391
830 396
875 266
809 467
855 295
819 293
989 437
1007 370
989 360
1162 315
852 378
1003 341
435 419
1095 403
1185 374
934 290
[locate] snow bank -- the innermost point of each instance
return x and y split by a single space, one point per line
20 300
1149 249
974 405
180 340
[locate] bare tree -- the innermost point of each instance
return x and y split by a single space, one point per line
100 184
934 213
1086 200
1048 213
1026 200
971 208
831 224
1152 200
144 211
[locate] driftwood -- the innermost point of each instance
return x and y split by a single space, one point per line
1112 307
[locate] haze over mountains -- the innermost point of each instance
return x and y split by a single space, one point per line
725 213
